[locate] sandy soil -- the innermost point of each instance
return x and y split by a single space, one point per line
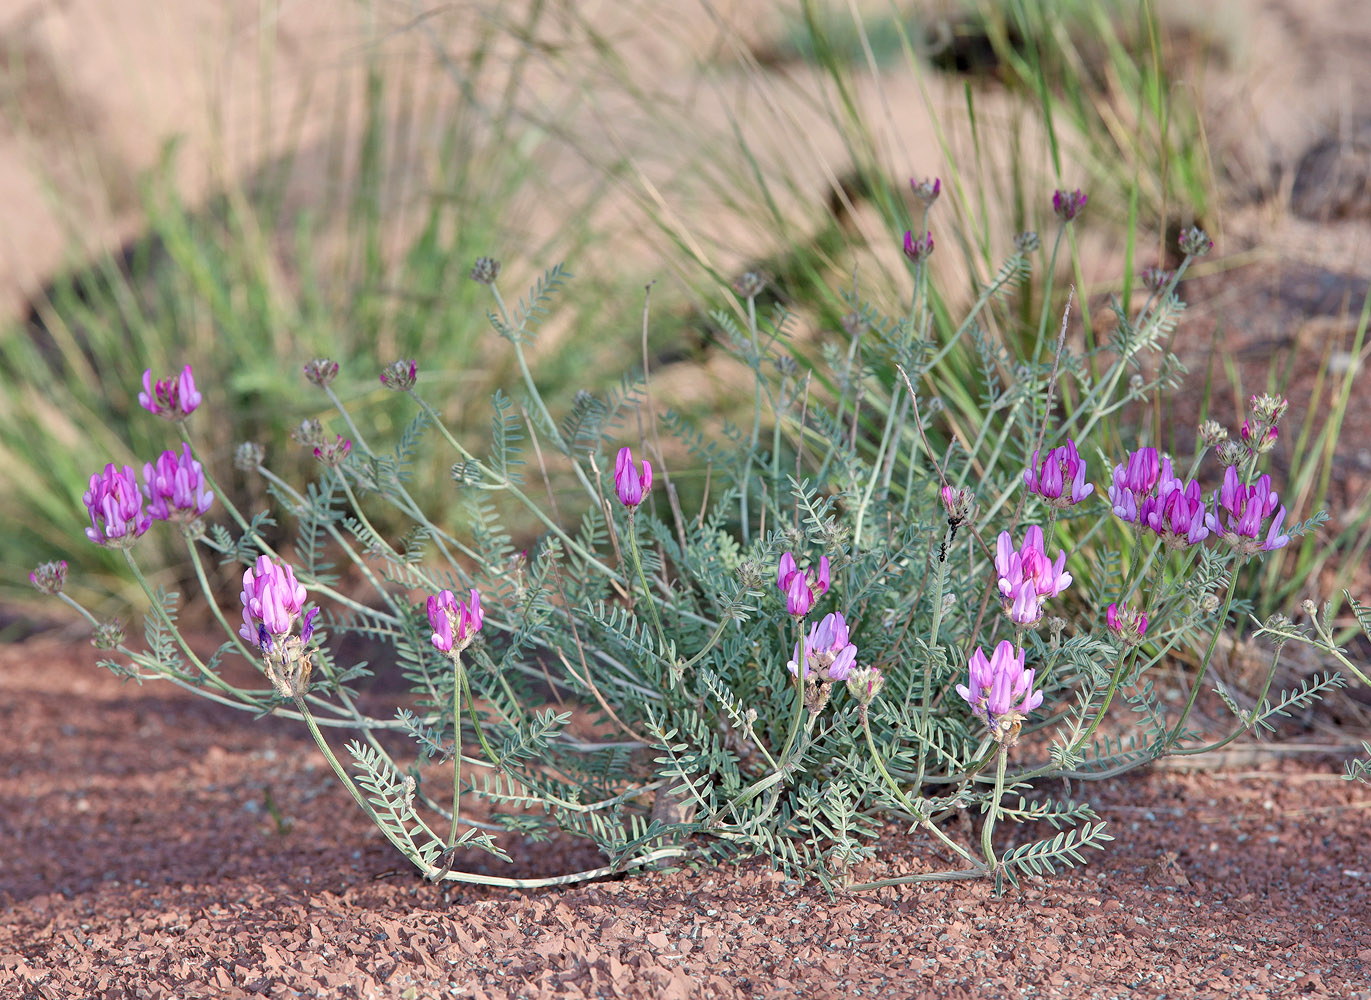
142 860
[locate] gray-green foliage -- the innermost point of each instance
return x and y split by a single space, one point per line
694 739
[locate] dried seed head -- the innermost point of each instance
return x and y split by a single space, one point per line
486 270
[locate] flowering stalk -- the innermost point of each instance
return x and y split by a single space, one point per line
1177 730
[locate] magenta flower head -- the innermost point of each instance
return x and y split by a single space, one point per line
1027 577
1000 691
1060 477
454 624
1068 204
801 590
1246 509
115 504
627 483
48 577
926 191
273 603
400 375
173 398
918 250
1176 512
1128 625
175 487
827 649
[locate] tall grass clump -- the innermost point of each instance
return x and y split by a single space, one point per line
345 245
835 637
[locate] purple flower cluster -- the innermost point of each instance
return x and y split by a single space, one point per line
454 623
801 590
630 486
1147 492
1129 625
1060 477
273 602
1000 691
1027 577
115 505
827 649
1247 509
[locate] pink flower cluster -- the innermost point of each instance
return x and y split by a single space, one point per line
273 602
801 590
454 623
827 649
1060 477
1000 691
1027 576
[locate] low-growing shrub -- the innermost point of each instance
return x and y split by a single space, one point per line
853 627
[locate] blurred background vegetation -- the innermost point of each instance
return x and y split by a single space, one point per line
334 207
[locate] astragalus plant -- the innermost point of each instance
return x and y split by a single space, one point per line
854 616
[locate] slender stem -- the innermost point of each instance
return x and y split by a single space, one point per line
457 682
988 827
642 577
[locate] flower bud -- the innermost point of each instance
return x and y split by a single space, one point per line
399 375
333 453
309 433
321 371
1068 204
1128 625
1155 279
750 284
960 504
1027 242
1194 242
1230 453
248 456
926 191
1213 433
864 684
108 634
918 250
486 270
49 577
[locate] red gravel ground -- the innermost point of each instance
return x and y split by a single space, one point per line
142 860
